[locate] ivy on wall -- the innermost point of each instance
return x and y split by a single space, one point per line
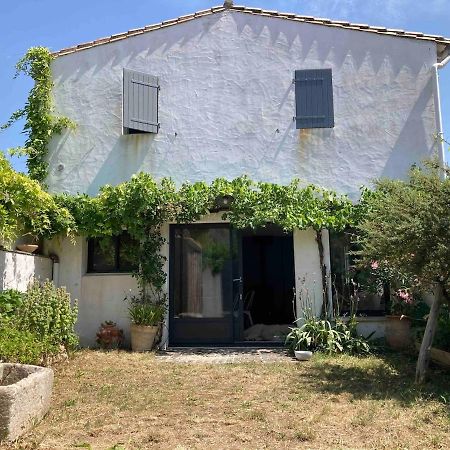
40 123
142 206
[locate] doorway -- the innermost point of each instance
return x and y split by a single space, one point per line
230 287
268 284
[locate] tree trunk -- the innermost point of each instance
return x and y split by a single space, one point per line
427 341
323 271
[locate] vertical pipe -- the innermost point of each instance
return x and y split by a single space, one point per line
55 274
437 108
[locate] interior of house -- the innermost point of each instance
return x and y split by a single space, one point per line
268 284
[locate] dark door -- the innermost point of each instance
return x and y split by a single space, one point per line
201 302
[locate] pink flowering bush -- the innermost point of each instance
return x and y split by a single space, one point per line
402 302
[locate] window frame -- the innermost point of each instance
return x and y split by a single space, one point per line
117 246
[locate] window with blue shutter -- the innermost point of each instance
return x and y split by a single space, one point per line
140 102
314 99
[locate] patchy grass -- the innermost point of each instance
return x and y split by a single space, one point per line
122 400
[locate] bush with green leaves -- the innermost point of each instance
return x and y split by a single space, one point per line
47 311
10 301
23 346
322 335
406 232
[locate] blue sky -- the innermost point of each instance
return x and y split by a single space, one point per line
57 24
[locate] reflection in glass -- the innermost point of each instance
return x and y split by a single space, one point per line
202 272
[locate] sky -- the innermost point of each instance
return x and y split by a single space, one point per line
57 24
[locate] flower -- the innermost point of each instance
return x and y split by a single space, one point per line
374 265
404 295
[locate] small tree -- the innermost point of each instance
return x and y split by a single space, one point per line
406 230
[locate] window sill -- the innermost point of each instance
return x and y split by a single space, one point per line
365 318
106 274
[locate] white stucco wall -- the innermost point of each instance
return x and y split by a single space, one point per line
100 297
17 269
227 104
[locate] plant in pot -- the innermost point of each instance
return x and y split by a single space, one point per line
147 311
398 323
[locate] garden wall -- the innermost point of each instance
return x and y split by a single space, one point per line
18 268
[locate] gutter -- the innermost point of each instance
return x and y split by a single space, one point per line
437 103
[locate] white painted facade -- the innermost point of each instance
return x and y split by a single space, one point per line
17 269
226 108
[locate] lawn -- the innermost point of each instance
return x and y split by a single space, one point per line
122 400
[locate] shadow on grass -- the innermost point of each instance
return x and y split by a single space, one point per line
387 376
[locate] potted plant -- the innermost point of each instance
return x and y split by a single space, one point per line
398 323
147 311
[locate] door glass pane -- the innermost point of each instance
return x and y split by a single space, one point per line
202 285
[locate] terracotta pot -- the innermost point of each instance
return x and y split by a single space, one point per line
398 332
27 248
110 336
142 337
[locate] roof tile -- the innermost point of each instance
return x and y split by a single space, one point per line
251 10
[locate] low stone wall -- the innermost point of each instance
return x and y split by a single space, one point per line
18 268
25 393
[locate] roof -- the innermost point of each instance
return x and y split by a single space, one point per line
443 44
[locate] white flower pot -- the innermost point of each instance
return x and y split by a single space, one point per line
303 355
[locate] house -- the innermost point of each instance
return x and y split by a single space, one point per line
229 91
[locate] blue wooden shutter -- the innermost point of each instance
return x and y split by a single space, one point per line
314 99
140 102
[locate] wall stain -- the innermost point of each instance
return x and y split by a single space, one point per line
304 135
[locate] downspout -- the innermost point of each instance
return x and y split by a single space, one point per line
437 105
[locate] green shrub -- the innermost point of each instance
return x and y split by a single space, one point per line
324 336
10 301
23 346
47 311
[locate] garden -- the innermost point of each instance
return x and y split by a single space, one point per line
121 400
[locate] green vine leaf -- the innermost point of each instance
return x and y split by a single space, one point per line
40 123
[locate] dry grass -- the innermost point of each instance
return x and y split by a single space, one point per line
131 401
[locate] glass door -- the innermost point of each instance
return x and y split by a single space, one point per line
201 285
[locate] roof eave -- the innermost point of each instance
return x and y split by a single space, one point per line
442 47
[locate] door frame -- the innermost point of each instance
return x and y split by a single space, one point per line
237 317
171 309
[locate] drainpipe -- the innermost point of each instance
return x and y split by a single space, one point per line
55 269
437 105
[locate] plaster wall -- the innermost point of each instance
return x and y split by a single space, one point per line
17 269
100 297
227 105
308 275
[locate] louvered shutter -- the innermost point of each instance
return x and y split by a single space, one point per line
140 102
314 99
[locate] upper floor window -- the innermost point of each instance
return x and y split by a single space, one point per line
314 99
112 254
140 102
